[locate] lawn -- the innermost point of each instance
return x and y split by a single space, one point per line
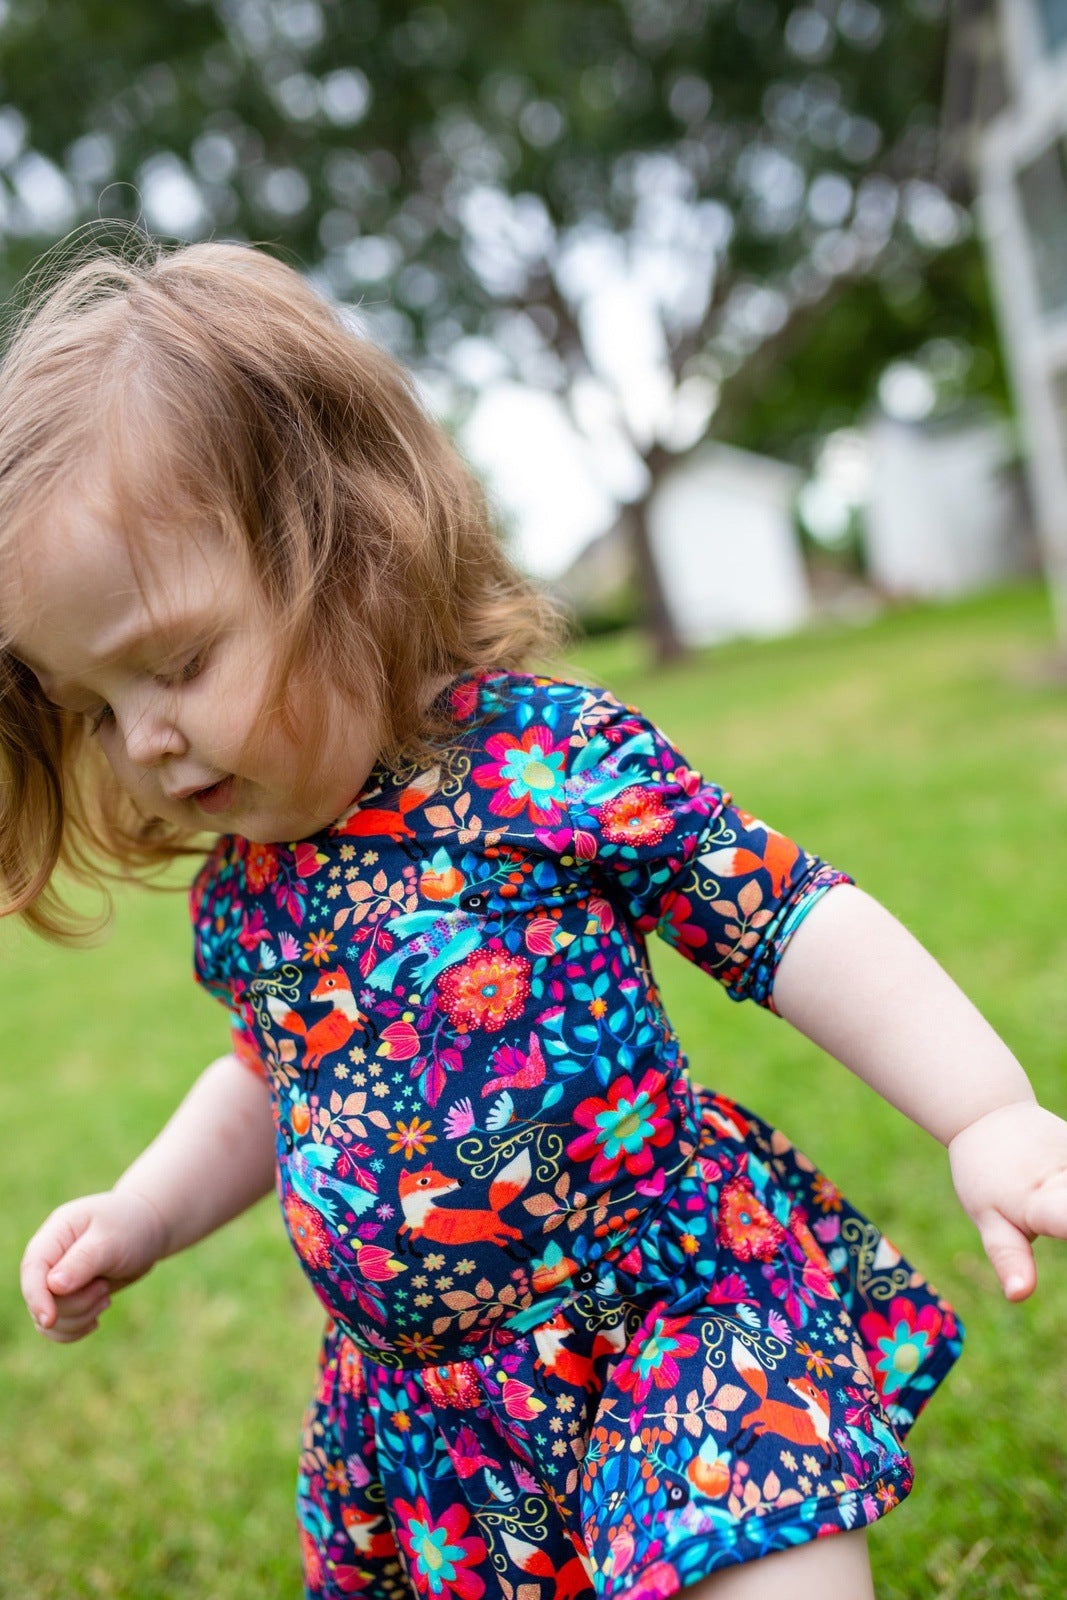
926 756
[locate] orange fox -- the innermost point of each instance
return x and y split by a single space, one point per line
369 821
425 1219
571 1580
568 1365
779 854
360 1527
336 1027
806 1424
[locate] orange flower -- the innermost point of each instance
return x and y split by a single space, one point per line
745 1226
412 1139
816 1361
487 990
261 866
319 948
415 1344
307 1232
636 816
827 1194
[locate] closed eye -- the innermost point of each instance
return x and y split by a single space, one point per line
186 673
99 717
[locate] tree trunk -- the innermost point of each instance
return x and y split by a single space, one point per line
656 616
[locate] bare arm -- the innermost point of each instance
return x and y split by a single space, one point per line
856 983
213 1159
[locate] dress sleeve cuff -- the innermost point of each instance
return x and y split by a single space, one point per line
756 981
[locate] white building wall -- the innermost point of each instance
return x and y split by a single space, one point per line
728 554
1035 338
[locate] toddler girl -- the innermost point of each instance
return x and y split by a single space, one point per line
592 1328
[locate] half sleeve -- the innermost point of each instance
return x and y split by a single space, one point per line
209 910
677 857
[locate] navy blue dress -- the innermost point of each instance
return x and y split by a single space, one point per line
593 1329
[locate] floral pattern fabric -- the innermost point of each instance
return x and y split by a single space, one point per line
593 1329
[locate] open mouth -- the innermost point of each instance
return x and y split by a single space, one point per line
216 797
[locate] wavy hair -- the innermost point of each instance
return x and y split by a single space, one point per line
209 385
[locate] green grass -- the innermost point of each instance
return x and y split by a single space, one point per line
157 1458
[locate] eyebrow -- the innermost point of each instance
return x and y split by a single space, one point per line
126 644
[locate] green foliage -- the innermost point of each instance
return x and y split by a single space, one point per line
434 162
829 377
156 1460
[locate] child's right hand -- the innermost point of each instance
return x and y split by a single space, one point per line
82 1253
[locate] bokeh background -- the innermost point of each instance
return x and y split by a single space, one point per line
752 314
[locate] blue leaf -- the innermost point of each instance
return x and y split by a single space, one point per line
500 1112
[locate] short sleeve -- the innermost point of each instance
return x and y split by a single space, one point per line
679 858
209 906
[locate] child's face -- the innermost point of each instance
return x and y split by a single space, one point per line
172 667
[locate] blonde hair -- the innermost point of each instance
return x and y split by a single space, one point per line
214 387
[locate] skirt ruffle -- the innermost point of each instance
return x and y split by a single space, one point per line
740 1382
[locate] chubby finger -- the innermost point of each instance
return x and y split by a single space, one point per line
74 1320
50 1246
33 1276
77 1328
75 1269
1011 1254
75 1305
1046 1210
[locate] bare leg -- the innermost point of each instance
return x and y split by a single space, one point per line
834 1568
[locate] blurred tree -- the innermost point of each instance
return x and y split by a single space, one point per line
502 188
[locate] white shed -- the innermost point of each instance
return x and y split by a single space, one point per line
729 558
943 515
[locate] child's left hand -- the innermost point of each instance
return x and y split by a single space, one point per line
1010 1172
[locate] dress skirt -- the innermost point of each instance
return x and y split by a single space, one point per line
738 1382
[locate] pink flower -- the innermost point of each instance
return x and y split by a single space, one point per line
900 1341
440 1552
624 1127
517 1402
400 1041
527 774
460 1120
660 1344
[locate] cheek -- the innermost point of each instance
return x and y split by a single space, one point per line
131 779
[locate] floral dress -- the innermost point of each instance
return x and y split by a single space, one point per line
593 1329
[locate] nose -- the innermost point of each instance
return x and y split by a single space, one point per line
149 734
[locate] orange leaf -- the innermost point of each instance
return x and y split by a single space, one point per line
750 897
